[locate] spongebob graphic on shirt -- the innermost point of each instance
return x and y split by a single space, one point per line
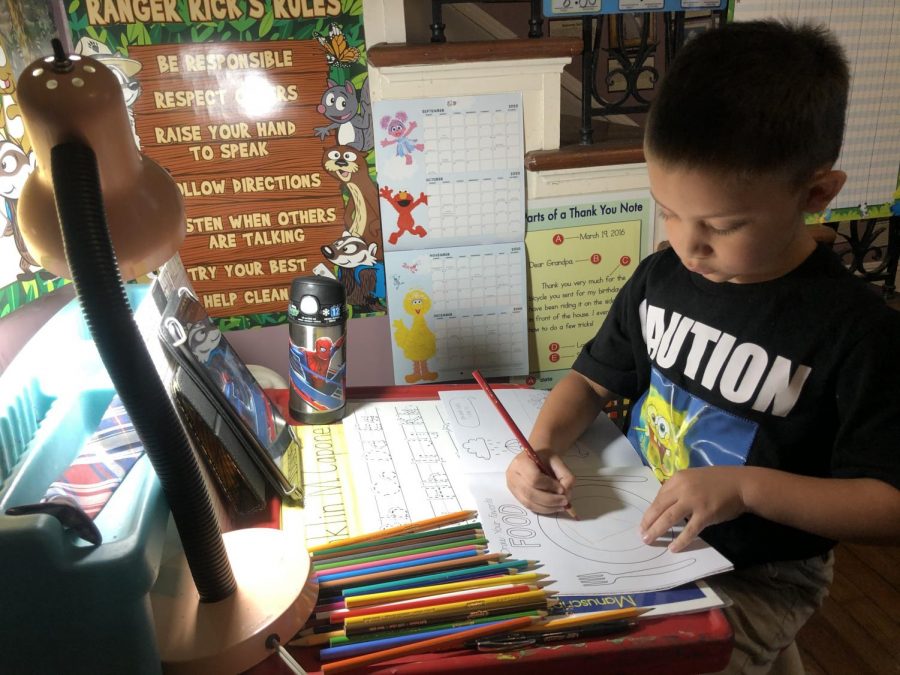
673 430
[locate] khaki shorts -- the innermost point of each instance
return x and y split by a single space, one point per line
770 604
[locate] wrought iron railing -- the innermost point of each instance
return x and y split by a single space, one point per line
866 253
535 20
633 55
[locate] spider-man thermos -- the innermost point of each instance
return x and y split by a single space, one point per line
317 318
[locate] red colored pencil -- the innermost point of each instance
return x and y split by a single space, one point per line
526 446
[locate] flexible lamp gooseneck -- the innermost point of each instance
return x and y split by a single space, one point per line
96 211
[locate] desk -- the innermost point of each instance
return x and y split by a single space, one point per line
675 645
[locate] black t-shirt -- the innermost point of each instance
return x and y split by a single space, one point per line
801 374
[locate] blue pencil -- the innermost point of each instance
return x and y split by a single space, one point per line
344 651
398 565
496 569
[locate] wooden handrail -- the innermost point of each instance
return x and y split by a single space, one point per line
384 55
580 156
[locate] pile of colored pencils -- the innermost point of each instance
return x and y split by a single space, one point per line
422 587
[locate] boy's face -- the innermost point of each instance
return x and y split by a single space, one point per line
730 230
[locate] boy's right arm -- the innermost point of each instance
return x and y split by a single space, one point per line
568 411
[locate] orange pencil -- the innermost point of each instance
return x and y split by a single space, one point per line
443 642
417 526
526 446
374 577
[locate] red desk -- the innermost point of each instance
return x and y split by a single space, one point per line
674 645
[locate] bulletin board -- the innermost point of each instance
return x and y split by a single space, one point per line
26 29
260 110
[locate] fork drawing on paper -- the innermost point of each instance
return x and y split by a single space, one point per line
606 578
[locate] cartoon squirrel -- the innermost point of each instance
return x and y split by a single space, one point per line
361 216
351 116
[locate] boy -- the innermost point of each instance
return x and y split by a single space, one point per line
766 379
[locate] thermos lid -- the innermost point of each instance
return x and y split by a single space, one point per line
316 298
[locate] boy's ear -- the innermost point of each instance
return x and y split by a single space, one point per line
822 188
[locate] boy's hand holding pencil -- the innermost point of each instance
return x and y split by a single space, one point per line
545 477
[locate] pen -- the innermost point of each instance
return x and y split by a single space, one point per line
526 446
523 640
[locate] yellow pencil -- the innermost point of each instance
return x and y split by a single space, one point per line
448 609
354 601
577 620
543 605
407 528
315 639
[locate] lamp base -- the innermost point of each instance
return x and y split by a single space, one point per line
275 595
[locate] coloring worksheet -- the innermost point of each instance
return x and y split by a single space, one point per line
601 552
452 191
403 463
486 444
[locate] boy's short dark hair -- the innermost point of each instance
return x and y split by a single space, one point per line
753 98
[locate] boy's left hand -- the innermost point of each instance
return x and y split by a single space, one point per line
704 496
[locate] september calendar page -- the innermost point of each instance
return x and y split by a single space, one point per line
452 192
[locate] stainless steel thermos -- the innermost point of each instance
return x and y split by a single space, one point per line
317 318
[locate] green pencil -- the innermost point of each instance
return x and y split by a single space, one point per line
344 640
381 543
495 569
393 553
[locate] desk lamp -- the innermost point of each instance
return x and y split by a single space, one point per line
96 211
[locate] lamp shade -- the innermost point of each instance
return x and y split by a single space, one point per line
76 98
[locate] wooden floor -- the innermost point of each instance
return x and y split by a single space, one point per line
857 630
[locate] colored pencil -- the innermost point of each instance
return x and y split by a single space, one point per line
454 611
315 639
415 538
506 568
353 649
578 620
344 651
368 637
534 605
340 615
521 640
526 446
403 549
436 589
399 563
447 565
406 528
418 647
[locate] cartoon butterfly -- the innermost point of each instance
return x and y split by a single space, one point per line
411 267
397 282
337 51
